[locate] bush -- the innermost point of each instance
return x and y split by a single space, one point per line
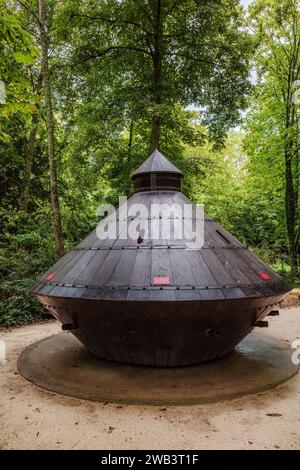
23 257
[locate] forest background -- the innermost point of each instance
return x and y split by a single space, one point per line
89 88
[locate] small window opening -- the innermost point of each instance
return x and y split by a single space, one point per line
223 237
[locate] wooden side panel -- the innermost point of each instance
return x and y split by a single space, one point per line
141 272
201 272
217 268
121 275
160 264
181 270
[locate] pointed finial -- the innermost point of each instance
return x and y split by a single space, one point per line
156 163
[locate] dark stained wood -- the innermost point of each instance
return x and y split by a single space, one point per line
181 271
156 163
211 300
157 173
160 265
87 274
157 182
141 273
121 276
217 268
201 272
106 268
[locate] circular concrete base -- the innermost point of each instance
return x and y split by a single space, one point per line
61 364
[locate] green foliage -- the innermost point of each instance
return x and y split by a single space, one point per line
27 249
241 193
273 124
17 54
105 95
24 253
115 50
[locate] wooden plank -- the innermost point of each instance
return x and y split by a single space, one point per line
233 293
141 295
217 268
88 241
212 294
67 266
141 272
160 264
230 261
81 263
200 270
87 274
44 289
182 273
248 268
165 295
60 263
121 275
192 295
258 265
106 268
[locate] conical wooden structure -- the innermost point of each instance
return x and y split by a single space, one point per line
155 301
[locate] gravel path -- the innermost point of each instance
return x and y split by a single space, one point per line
32 418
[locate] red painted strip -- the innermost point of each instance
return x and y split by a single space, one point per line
50 276
160 281
265 276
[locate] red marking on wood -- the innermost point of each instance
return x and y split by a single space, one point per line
50 276
160 281
265 276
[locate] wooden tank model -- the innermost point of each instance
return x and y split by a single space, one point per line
156 301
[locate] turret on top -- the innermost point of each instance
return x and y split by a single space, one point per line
157 173
156 163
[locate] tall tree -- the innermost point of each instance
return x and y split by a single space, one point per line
30 141
277 25
163 53
17 52
50 127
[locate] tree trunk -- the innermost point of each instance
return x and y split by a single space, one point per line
130 141
30 146
157 75
50 129
155 133
28 164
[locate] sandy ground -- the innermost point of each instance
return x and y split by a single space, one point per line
32 418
